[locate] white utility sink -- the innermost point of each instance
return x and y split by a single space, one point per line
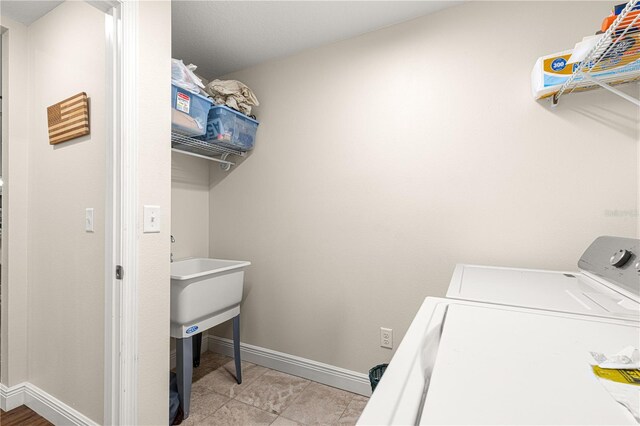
204 293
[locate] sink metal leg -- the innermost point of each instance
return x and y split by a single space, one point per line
236 347
184 372
197 346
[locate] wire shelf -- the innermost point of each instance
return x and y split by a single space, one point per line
204 149
619 46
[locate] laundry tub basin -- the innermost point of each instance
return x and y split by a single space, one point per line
204 293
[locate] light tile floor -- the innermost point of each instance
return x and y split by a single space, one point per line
265 397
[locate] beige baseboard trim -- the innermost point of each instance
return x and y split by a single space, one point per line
42 403
318 372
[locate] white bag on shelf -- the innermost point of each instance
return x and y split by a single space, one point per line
183 76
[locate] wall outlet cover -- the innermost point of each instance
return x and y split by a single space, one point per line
386 338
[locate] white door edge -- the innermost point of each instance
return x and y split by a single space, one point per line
121 249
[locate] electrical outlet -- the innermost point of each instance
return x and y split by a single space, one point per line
386 337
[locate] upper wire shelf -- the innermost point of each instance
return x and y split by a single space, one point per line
203 149
619 46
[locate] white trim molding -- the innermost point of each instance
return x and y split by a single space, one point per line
11 397
111 224
127 207
42 403
313 370
121 217
53 409
128 224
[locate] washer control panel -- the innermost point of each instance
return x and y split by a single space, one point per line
615 259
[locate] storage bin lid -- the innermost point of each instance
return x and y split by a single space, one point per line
238 113
191 93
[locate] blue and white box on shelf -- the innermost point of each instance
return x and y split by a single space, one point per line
230 128
190 112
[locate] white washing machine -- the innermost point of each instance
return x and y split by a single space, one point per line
520 352
607 284
464 362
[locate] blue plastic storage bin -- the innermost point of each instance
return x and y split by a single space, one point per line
230 128
190 112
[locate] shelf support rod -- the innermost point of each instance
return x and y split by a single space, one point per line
222 162
608 87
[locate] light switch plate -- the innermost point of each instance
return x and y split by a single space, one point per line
151 219
88 219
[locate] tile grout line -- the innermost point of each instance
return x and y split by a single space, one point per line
243 382
351 399
254 380
291 403
250 383
346 406
231 398
248 405
353 395
295 399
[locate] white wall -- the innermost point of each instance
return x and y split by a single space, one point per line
15 130
1 31
189 206
384 160
53 329
66 264
154 92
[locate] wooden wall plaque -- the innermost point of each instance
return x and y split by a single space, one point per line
68 119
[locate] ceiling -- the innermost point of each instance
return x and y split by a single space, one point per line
226 36
27 12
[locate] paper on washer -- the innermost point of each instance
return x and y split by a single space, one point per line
627 359
627 395
620 376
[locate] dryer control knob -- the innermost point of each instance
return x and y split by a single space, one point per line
620 257
637 266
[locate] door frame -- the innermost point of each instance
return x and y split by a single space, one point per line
121 213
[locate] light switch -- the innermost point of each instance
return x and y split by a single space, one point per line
151 219
88 220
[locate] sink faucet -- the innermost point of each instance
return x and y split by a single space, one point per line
173 240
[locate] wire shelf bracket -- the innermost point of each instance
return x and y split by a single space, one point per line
203 149
612 89
608 53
